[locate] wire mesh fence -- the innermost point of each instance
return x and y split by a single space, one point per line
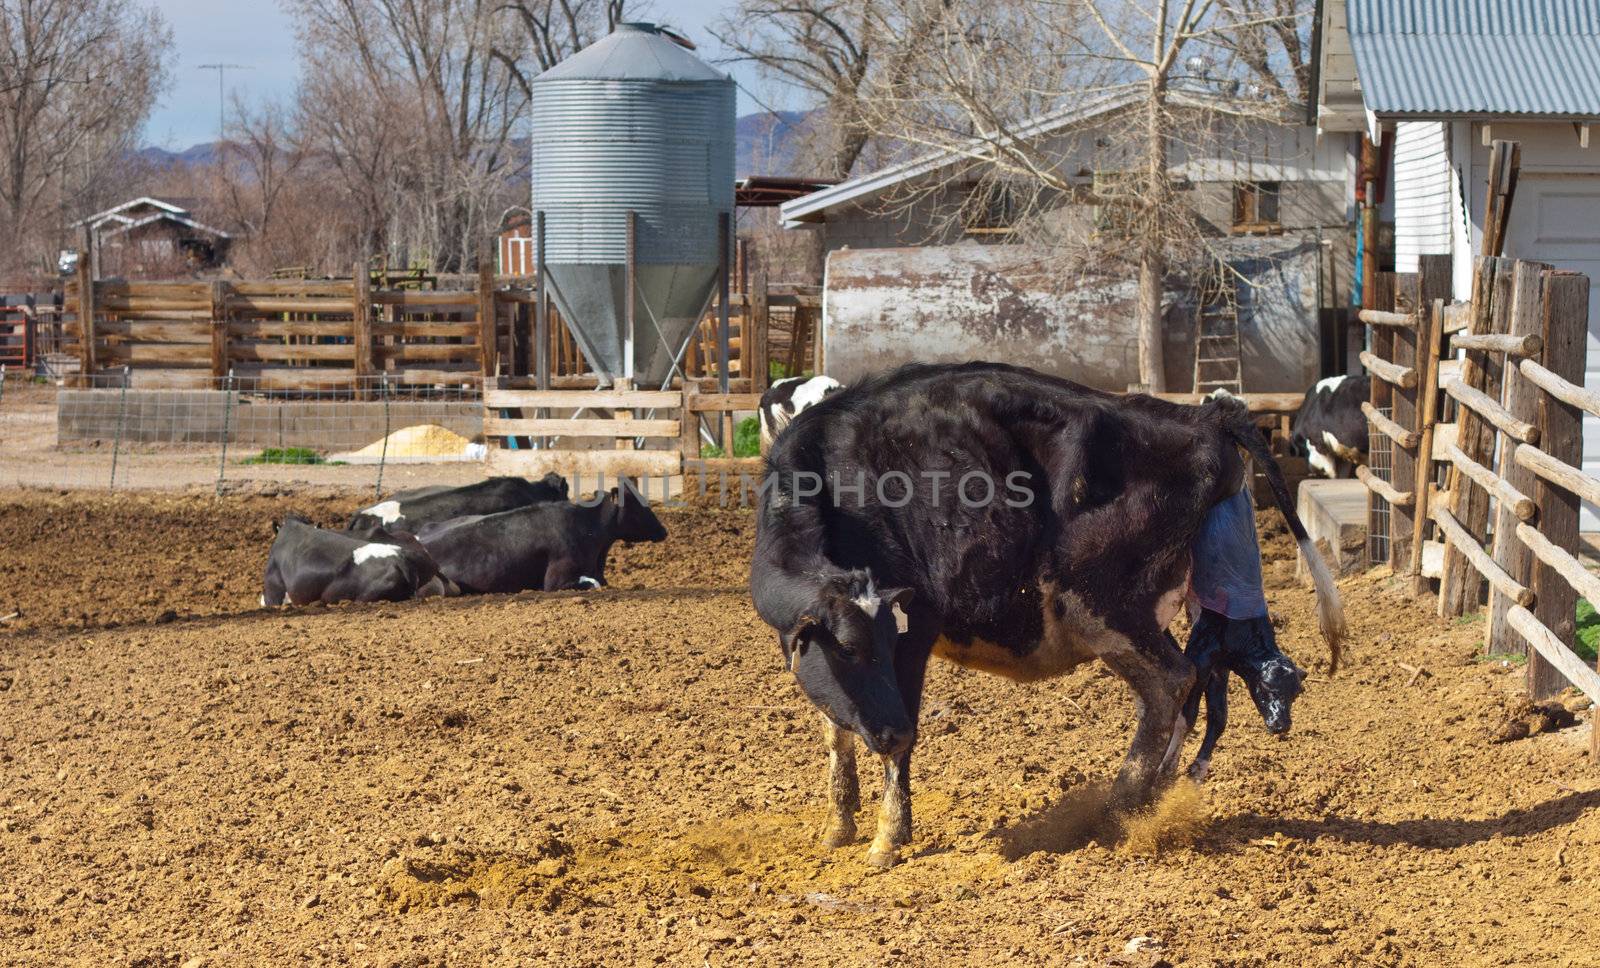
112 433
1380 460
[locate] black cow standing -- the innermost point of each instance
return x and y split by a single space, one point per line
410 510
1006 521
309 564
1330 429
549 546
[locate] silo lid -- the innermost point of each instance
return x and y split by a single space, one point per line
633 52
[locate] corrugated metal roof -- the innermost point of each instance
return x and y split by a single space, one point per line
1437 58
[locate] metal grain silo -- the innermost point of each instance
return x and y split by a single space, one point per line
633 123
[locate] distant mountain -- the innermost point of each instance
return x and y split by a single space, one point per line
767 143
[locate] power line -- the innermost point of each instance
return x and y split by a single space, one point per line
222 70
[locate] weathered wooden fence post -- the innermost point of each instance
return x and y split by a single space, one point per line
758 317
488 332
1433 287
1565 326
361 331
219 330
1522 400
1461 587
86 311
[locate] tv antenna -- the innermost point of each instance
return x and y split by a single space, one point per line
222 71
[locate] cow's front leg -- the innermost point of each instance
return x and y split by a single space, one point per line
894 813
844 786
1161 678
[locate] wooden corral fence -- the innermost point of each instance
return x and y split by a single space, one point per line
305 335
1507 513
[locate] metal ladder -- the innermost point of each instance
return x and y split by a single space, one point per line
1217 362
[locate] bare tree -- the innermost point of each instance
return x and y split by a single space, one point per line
554 30
78 79
991 68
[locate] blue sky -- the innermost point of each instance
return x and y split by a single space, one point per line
259 35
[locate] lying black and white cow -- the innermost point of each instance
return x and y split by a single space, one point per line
549 546
410 510
1330 429
788 397
1003 520
309 564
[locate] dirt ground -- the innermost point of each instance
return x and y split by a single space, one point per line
627 776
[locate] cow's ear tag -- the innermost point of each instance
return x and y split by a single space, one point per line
902 623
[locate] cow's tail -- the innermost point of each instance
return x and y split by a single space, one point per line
1330 609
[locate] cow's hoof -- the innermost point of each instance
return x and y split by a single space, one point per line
839 834
1199 770
882 857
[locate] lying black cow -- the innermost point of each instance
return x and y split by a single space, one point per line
550 546
1330 429
788 397
410 510
1003 520
309 564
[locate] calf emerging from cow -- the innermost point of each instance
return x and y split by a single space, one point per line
1005 521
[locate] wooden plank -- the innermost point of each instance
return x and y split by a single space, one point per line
296 289
270 328
1383 488
1484 406
1515 503
1558 473
162 316
588 464
1457 537
1522 402
273 352
1564 327
759 319
1379 317
1404 377
130 331
584 399
577 427
240 303
117 289
429 353
417 376
1583 581
1254 402
726 465
1564 390
464 299
1407 439
116 304
720 402
1459 588
432 330
1525 344
1457 317
297 377
1552 651
154 354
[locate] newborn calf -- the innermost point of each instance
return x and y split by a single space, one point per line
1247 648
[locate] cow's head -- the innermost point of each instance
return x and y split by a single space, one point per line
556 483
1251 651
635 520
842 649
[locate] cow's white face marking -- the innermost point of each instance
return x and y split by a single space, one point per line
386 511
1330 383
588 583
1319 460
869 602
810 393
367 552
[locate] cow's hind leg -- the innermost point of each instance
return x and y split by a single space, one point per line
844 786
1161 678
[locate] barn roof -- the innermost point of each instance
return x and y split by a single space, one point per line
1455 58
810 208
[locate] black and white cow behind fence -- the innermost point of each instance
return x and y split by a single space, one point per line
1006 521
1329 428
788 397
